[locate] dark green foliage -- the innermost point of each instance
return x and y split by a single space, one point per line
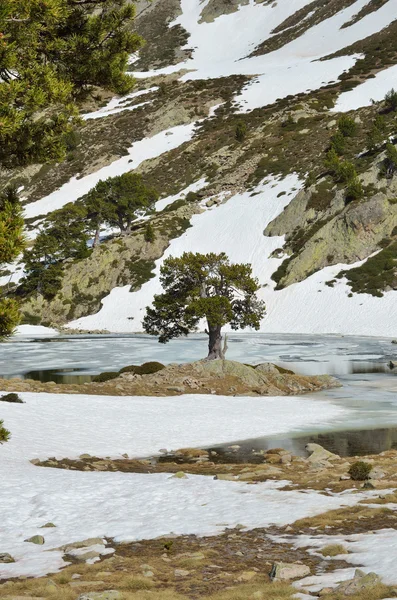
4 433
12 397
391 100
12 242
338 143
63 236
106 376
310 180
208 286
360 470
376 274
145 369
241 131
354 190
389 165
149 233
59 49
118 201
347 126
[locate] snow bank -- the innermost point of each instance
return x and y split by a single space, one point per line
139 152
138 506
372 89
375 551
35 331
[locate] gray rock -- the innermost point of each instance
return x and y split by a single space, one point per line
6 558
393 364
286 571
181 573
36 539
318 454
376 473
361 582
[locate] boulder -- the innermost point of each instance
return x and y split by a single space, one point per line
286 571
360 583
318 454
6 558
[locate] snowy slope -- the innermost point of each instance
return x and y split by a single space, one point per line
306 307
372 89
92 504
222 47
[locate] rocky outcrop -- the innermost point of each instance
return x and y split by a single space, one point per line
337 233
225 377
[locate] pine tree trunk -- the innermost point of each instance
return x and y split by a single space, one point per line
97 237
215 343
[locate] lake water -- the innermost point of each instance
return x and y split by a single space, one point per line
64 357
369 389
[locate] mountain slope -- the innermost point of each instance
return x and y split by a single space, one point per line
287 71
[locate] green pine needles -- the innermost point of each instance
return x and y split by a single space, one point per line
52 52
204 286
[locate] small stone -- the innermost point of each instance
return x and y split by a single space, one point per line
36 539
344 477
47 525
83 456
181 573
76 576
35 461
6 558
225 477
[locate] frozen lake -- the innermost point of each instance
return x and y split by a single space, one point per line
85 355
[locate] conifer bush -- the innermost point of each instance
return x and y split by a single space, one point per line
360 470
4 433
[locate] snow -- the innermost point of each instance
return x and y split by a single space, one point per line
139 151
194 187
375 551
372 89
118 105
138 506
292 69
69 425
35 330
306 307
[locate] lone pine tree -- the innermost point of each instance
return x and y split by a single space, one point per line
204 286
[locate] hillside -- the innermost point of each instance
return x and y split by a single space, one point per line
234 112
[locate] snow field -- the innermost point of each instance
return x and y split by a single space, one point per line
372 89
292 69
138 506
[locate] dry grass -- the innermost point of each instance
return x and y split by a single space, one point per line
137 584
340 516
376 593
333 550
